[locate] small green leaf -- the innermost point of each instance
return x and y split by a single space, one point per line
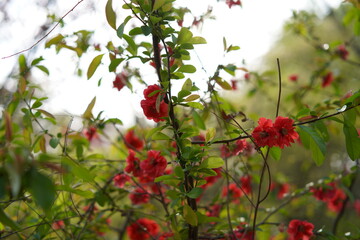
132 45
198 120
311 139
352 140
94 65
43 68
163 177
42 189
54 142
158 4
275 153
195 105
110 14
184 36
54 41
88 112
37 60
189 215
225 85
120 30
191 98
197 40
135 31
195 192
146 30
187 69
212 162
210 134
46 113
160 136
114 63
187 85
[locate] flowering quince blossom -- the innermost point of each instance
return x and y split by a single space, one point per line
336 203
342 52
120 180
133 164
143 229
58 225
139 196
293 77
149 104
233 149
334 197
246 183
300 230
132 141
327 79
155 164
214 211
166 236
234 84
120 81
283 190
210 180
357 206
234 191
231 3
286 131
91 133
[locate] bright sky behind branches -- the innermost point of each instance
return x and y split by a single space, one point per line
254 28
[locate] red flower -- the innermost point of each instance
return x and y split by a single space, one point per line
336 203
265 134
342 52
120 180
139 196
210 180
286 131
231 3
293 77
166 236
247 76
90 133
120 80
155 164
327 79
214 211
142 229
233 149
196 22
58 225
234 191
149 104
132 141
234 84
246 183
300 230
133 164
324 193
357 206
283 190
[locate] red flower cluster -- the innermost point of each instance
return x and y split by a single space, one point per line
327 79
334 197
152 110
132 141
231 3
234 191
293 77
120 180
91 133
58 225
342 52
152 167
234 149
139 196
283 190
120 81
143 229
246 183
281 133
300 230
214 211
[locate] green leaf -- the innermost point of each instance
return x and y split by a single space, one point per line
315 142
132 45
189 215
78 170
275 153
191 98
197 40
184 36
195 192
94 65
54 41
187 69
42 189
160 136
187 85
352 140
198 120
212 162
164 177
37 60
88 112
110 14
54 142
120 30
114 63
225 85
146 30
4 219
135 31
85 194
210 134
195 105
43 68
158 4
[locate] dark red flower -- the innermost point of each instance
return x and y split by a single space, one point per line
214 211
336 203
139 196
233 149
247 76
293 77
283 190
180 22
132 141
231 3
300 230
324 193
234 191
196 22
166 236
246 183
286 131
155 164
327 79
58 225
153 110
120 180
120 80
357 206
91 133
342 52
265 134
234 84
133 164
143 229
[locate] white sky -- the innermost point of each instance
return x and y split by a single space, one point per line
253 27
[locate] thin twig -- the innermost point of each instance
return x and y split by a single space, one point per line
279 96
47 34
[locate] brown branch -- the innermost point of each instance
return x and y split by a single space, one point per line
279 96
47 34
